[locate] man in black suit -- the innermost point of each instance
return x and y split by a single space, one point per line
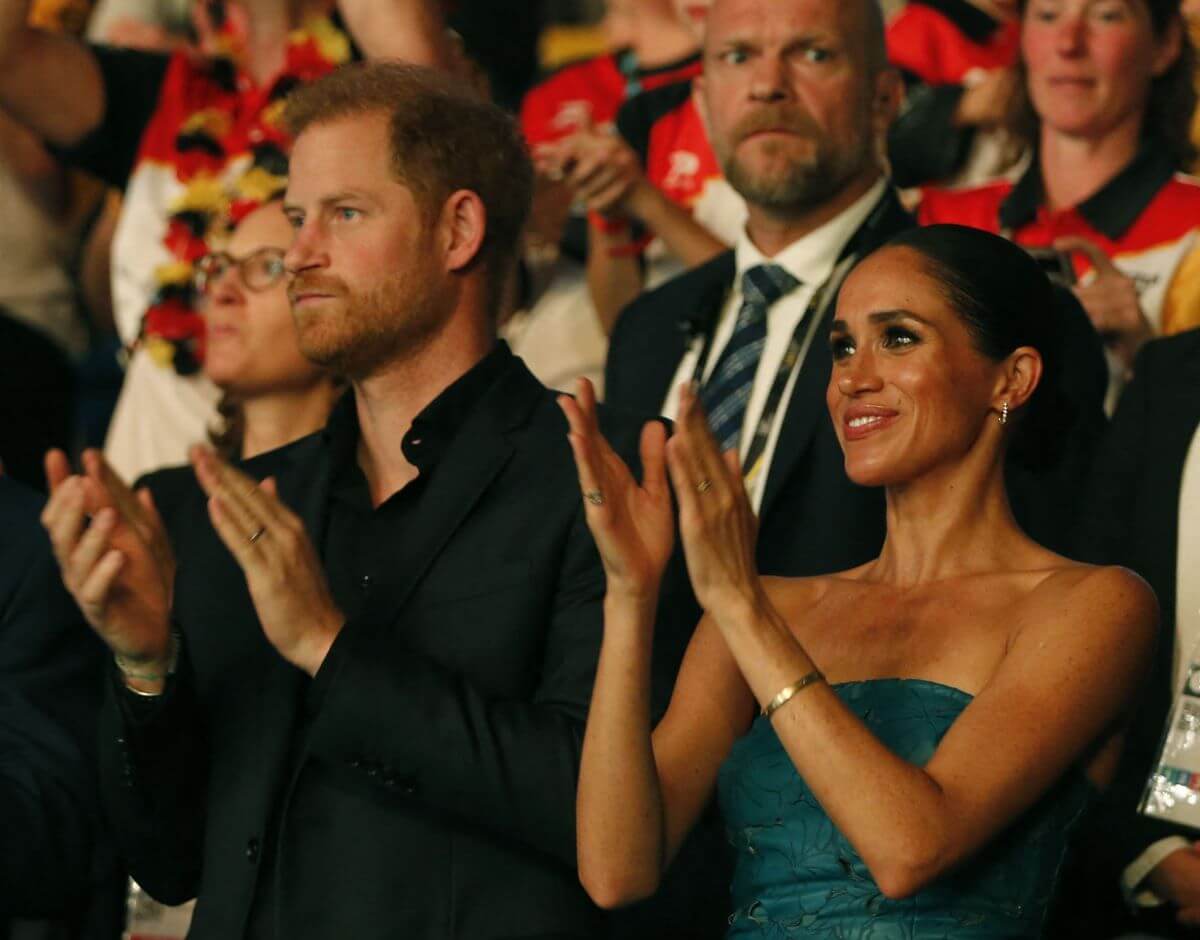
1132 872
360 713
798 95
52 852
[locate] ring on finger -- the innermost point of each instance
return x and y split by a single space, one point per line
704 485
595 497
262 530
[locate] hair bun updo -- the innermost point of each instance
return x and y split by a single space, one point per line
1007 301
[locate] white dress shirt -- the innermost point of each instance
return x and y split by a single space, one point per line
1187 648
810 260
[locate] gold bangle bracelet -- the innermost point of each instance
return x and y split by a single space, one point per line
785 694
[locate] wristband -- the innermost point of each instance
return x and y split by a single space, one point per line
609 226
131 669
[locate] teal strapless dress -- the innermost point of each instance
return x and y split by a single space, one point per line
796 876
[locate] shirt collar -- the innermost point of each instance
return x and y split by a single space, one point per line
811 258
1112 209
433 429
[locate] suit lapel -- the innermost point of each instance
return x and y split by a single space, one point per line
684 327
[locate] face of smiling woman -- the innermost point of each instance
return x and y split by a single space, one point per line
909 393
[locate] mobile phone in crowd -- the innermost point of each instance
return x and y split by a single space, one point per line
1056 264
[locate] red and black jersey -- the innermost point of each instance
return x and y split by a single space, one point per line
590 93
1146 219
942 42
665 128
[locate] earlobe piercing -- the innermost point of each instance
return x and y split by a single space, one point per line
1003 419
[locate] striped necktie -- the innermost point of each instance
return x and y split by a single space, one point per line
727 390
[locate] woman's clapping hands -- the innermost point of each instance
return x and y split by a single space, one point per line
633 525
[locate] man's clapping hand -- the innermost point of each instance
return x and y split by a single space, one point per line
119 566
287 583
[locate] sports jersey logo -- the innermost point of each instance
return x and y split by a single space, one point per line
573 115
682 171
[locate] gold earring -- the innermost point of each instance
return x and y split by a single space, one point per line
1003 419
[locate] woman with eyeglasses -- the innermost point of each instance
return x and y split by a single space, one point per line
272 395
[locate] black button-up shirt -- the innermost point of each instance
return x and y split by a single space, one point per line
359 546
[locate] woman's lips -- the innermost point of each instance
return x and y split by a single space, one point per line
859 423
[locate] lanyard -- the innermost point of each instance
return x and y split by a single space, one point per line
797 349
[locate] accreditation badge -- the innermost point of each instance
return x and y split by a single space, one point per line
1173 789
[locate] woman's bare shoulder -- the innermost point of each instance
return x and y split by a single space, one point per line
1103 600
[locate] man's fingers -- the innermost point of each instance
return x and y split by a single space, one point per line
92 546
109 489
63 519
234 533
57 468
93 592
239 493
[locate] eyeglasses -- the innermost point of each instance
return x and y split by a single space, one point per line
258 270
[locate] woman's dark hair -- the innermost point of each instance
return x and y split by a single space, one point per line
1169 104
1006 301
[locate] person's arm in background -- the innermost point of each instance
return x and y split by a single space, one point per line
50 83
411 30
606 174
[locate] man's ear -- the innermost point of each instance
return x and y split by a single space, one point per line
1022 373
463 228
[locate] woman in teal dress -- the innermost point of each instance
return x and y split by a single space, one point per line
899 750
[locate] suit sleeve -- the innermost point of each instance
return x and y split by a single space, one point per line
50 669
1104 535
153 771
508 766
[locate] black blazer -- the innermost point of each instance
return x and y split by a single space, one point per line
1133 520
433 792
813 520
51 681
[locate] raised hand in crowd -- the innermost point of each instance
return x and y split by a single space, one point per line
987 102
602 170
605 173
287 584
116 561
1111 301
